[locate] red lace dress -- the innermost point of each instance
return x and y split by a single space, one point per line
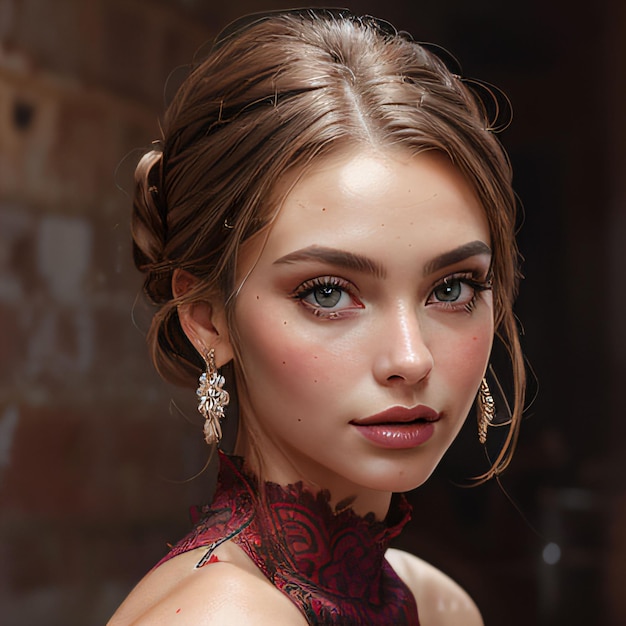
331 565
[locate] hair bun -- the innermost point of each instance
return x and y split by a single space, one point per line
149 226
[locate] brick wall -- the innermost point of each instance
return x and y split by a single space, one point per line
88 448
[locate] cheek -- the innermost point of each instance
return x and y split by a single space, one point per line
276 355
477 352
467 361
463 351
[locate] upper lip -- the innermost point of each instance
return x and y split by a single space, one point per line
399 414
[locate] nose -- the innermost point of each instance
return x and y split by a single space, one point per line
403 356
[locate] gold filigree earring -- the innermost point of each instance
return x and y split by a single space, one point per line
212 399
486 410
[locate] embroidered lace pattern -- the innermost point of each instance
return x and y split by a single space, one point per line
330 564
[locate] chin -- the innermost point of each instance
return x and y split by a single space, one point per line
399 476
410 482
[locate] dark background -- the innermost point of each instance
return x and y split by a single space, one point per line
95 451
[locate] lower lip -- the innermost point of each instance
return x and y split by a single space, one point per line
397 436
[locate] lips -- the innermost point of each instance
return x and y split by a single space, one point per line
399 427
399 415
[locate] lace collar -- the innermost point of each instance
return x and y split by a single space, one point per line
331 564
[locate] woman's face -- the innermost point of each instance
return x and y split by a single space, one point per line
364 322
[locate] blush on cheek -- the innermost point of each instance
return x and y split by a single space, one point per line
478 349
282 356
298 366
468 358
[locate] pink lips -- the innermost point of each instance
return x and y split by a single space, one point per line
399 427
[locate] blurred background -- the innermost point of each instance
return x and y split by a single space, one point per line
96 453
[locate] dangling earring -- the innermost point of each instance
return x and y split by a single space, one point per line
212 399
486 410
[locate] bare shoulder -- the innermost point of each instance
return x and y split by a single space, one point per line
441 601
230 591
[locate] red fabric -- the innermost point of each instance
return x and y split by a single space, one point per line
331 565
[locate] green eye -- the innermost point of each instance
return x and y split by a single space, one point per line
327 296
448 291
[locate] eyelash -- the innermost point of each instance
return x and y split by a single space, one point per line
332 282
307 288
470 279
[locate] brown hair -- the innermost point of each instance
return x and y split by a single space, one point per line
274 95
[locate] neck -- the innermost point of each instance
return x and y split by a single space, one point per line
278 466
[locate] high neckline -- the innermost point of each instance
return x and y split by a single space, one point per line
330 563
337 550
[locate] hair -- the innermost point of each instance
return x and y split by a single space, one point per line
274 95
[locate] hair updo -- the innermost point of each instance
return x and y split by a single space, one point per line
273 95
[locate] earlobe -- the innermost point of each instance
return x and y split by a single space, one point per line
204 323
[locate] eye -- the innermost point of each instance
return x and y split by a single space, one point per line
449 290
458 292
327 296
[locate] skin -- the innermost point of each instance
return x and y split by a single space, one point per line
406 327
393 342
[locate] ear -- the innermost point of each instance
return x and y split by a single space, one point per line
203 322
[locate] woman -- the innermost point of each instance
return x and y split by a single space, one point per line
329 214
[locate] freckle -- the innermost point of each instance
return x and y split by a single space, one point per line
410 245
382 224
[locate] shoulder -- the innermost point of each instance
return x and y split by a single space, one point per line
230 591
440 601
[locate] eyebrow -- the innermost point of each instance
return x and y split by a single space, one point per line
360 263
339 258
473 248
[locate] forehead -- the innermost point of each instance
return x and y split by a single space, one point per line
398 209
362 194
